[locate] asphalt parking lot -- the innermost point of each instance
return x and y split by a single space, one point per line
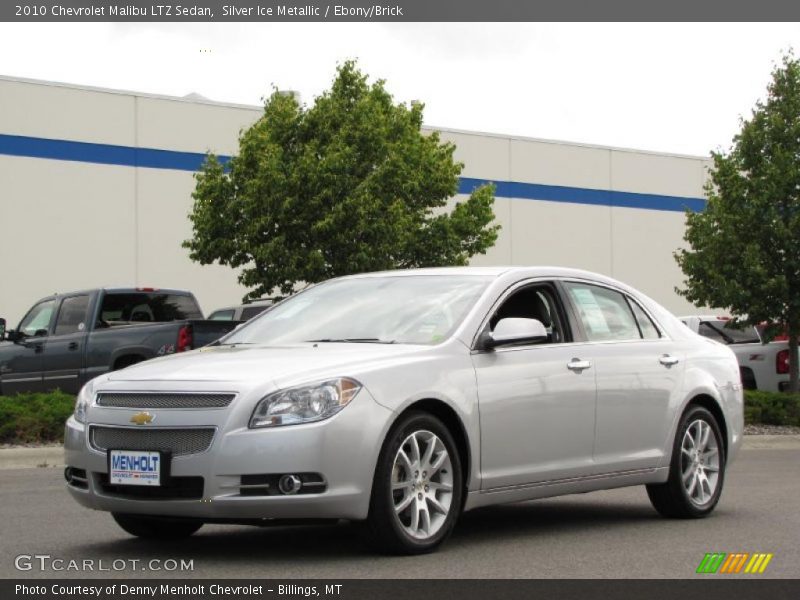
608 534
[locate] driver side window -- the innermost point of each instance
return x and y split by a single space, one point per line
37 319
533 302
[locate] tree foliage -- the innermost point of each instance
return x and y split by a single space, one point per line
744 250
348 185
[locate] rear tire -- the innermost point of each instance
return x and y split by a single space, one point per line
417 489
156 528
748 378
696 471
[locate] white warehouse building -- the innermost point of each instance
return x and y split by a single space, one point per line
95 190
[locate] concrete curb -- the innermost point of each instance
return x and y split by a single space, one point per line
53 456
771 442
28 458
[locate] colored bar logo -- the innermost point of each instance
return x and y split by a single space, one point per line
735 562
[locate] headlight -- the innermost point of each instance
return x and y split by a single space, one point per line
304 404
82 402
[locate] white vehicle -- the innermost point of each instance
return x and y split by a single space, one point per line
241 312
762 366
404 398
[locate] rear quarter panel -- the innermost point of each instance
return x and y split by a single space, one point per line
713 371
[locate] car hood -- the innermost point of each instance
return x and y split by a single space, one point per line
263 363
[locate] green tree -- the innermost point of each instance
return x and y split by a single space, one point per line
349 185
744 250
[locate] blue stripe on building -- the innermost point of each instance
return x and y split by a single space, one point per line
104 154
573 195
152 158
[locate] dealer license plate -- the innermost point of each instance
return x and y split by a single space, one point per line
134 467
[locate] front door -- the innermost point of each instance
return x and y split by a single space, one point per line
536 402
21 362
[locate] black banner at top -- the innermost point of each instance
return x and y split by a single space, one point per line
396 10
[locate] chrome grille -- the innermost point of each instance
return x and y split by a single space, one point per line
156 400
178 441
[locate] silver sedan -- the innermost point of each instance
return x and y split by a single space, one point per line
401 399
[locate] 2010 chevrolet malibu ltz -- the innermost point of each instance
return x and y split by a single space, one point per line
403 398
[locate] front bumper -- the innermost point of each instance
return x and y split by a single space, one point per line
343 449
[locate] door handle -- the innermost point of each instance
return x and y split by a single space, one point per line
578 365
36 345
72 346
668 360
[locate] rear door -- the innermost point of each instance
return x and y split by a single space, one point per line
65 349
639 375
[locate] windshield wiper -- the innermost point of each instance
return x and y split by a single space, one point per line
351 341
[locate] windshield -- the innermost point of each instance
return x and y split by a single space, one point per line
414 309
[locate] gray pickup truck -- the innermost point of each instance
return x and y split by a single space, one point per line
67 339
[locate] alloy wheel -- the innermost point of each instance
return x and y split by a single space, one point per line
700 462
422 484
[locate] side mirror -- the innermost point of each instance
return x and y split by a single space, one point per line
515 331
2 329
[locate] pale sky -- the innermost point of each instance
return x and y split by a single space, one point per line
665 87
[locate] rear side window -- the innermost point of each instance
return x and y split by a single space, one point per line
221 315
146 307
249 312
605 314
72 315
646 325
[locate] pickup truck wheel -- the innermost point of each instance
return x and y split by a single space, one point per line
416 493
697 469
156 528
748 378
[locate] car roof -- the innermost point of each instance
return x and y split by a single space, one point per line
216 310
117 290
123 290
259 302
531 271
502 272
266 302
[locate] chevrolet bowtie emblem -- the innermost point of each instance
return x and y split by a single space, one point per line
142 418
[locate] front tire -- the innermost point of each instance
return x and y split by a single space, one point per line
697 468
156 528
418 487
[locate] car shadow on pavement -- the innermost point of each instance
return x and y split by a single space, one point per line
551 517
342 541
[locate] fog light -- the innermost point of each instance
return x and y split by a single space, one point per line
289 484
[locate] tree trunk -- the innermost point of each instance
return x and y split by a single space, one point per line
793 366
